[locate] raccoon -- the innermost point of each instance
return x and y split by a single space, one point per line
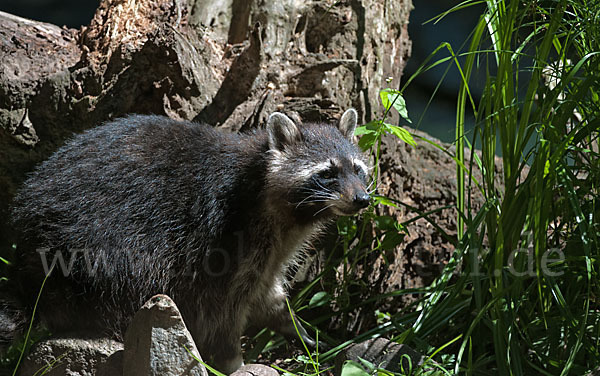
145 205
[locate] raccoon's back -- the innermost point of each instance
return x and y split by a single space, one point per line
128 185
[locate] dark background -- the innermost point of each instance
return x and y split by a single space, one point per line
437 119
71 13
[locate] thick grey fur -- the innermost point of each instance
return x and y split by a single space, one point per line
151 205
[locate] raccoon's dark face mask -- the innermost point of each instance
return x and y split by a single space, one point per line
343 185
322 168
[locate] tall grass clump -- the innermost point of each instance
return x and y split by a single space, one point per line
522 289
520 295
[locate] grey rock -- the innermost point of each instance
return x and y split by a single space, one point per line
381 353
157 342
70 356
112 366
18 124
255 370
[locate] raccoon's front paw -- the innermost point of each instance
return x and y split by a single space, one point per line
230 365
312 344
306 338
298 333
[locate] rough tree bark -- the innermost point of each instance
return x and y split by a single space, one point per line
225 62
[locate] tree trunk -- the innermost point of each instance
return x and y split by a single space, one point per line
228 63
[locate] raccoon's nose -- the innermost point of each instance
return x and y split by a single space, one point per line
362 199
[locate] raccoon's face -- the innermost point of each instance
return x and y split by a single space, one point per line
316 168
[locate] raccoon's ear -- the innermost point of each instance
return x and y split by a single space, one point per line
282 131
348 123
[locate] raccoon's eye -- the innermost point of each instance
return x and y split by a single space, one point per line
359 170
328 173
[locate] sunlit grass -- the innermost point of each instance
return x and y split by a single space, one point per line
520 293
532 302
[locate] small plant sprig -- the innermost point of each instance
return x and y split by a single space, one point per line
390 232
370 140
372 132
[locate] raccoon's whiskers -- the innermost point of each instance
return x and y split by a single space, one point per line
317 196
322 193
325 208
323 187
306 201
369 187
315 191
370 191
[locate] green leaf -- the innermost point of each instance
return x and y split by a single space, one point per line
385 100
373 126
385 222
384 201
319 299
382 317
391 97
365 129
400 105
367 141
401 133
346 227
392 239
351 368
303 359
366 364
547 168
